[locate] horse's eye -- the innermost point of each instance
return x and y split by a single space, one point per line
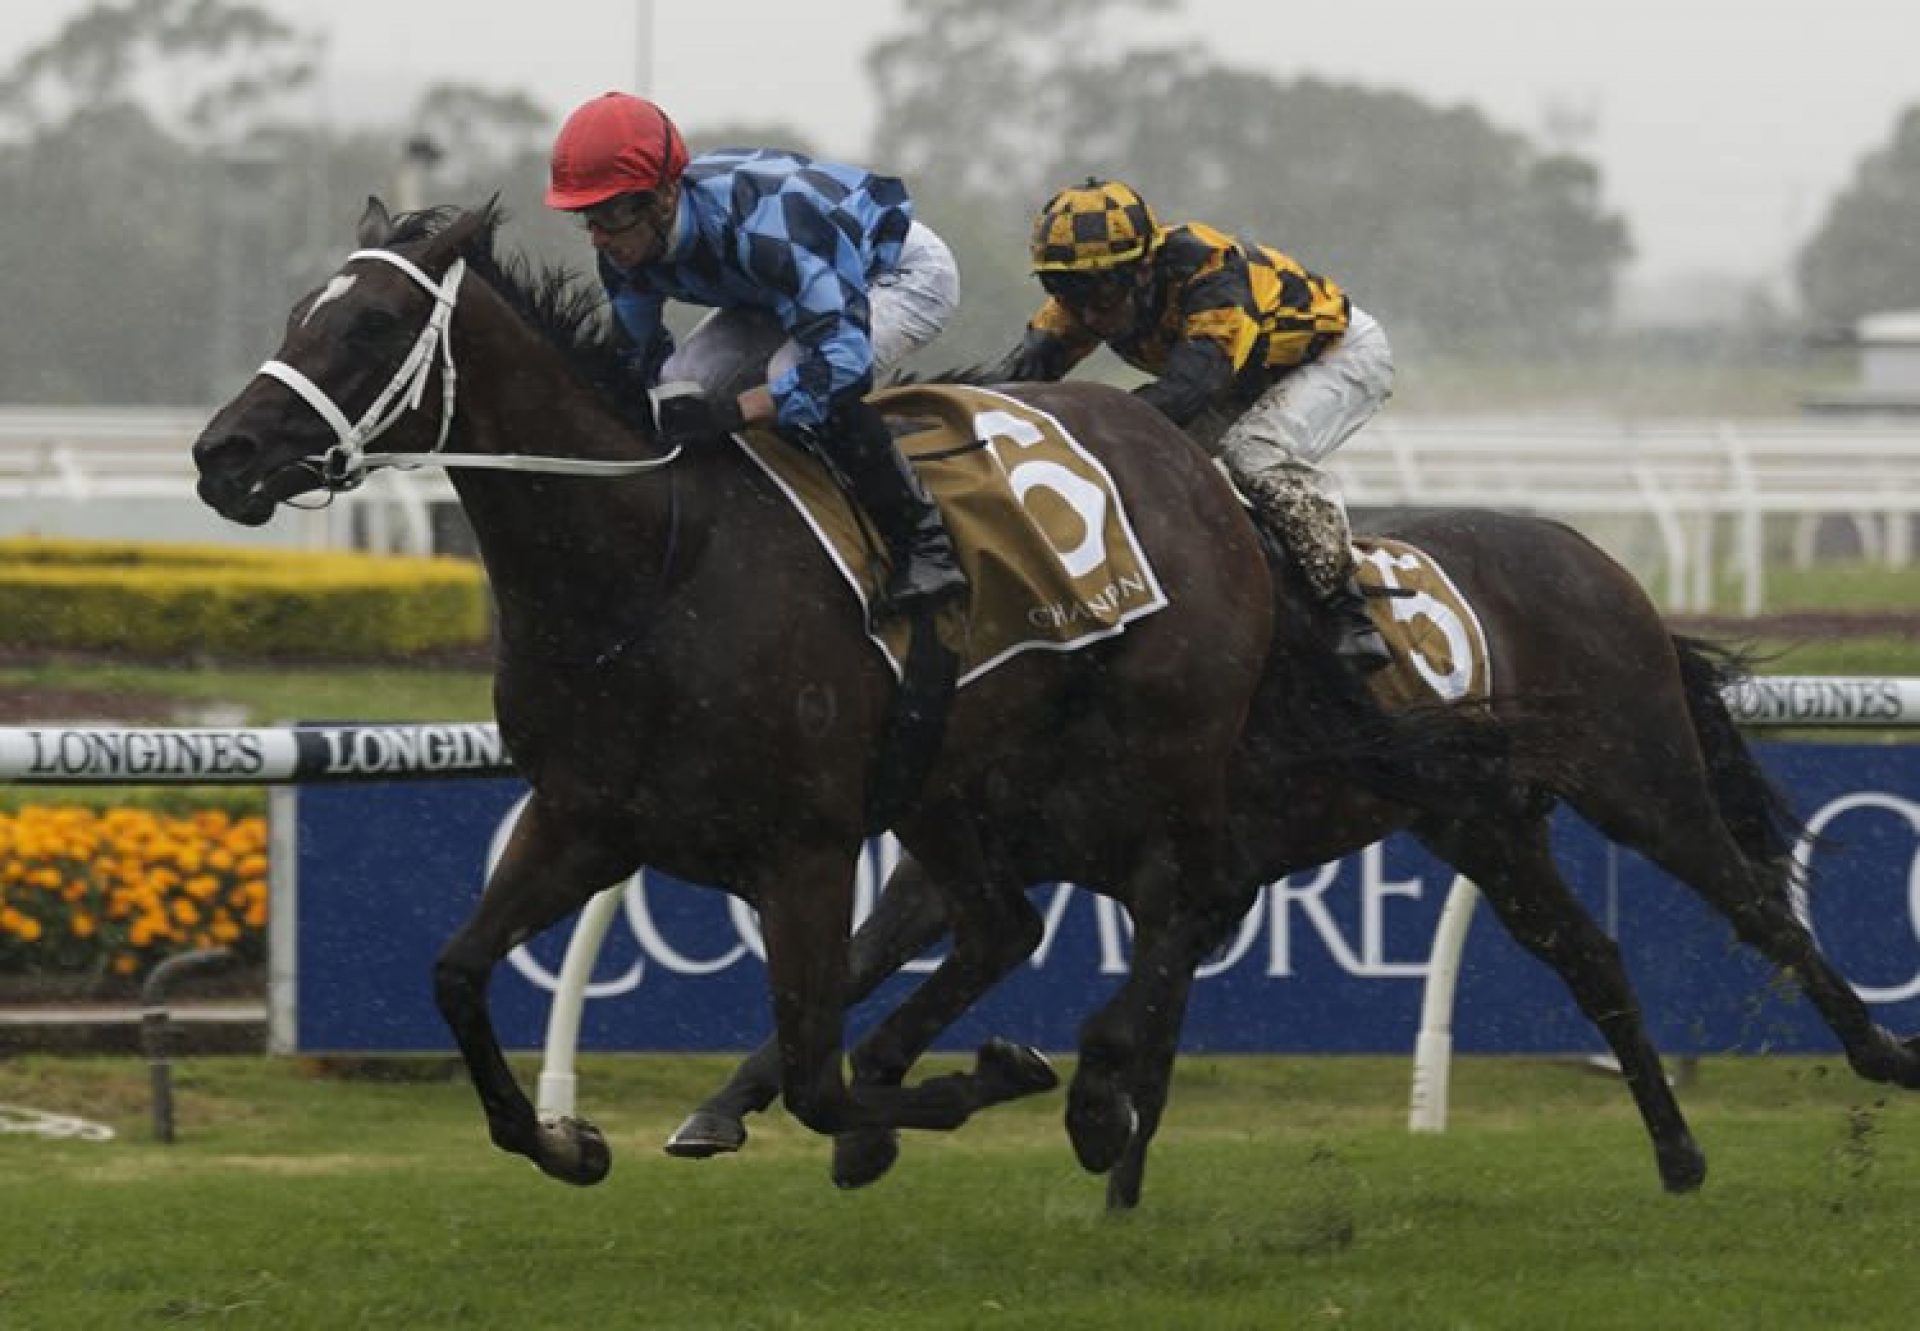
373 325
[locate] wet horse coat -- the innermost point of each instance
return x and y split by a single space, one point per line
686 685
1622 721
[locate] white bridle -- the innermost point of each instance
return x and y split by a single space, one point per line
347 463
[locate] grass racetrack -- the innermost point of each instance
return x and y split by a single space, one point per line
1281 1193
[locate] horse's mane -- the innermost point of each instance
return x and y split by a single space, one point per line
566 307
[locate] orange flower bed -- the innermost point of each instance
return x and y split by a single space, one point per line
115 891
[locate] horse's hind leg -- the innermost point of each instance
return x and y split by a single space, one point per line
1511 862
909 917
545 872
1680 830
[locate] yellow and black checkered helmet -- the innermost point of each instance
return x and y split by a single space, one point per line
1092 227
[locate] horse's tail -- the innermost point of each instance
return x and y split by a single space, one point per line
1751 805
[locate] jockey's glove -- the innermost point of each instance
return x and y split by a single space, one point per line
687 417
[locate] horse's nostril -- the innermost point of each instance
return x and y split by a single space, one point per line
215 454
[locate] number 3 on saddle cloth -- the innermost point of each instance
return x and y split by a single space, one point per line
1041 532
1439 647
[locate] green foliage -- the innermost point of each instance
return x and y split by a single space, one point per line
1864 257
158 242
267 696
987 108
244 198
164 601
1281 1193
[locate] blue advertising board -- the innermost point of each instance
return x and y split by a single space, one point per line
1329 960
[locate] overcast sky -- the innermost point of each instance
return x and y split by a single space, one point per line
1723 126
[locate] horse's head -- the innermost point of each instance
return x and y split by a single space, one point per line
359 354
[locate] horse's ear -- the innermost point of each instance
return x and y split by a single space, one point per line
453 239
375 224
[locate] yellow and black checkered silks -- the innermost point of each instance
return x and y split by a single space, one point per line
1263 310
1091 227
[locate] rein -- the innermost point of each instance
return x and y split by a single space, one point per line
345 465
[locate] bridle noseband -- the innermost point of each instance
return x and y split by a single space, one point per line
347 464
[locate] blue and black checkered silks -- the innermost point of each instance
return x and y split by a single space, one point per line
780 232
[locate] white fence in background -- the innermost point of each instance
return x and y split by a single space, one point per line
1685 502
1697 493
127 472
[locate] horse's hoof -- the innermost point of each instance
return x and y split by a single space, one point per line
863 1156
706 1134
1888 1059
1683 1166
572 1150
1008 1071
1100 1124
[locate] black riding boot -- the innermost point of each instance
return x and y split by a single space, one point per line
925 570
1359 643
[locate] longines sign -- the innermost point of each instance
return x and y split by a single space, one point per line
1331 959
98 755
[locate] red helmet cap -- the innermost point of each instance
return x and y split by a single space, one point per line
615 144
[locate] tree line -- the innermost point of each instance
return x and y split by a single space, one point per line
173 185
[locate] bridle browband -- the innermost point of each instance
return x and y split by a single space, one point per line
347 463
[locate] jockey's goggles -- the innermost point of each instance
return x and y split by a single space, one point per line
1088 291
622 212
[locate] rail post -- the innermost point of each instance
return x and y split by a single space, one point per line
155 1029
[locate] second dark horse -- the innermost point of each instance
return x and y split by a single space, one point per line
1623 721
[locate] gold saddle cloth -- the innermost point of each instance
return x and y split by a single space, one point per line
1439 646
1040 528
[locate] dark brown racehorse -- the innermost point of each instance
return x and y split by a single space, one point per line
1625 724
686 684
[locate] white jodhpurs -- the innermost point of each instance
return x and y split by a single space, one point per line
1314 409
732 350
1273 450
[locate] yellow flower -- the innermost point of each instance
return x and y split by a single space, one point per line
133 883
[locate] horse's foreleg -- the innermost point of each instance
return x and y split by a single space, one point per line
1158 1041
1512 865
909 917
541 876
995 927
1127 1048
1169 966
